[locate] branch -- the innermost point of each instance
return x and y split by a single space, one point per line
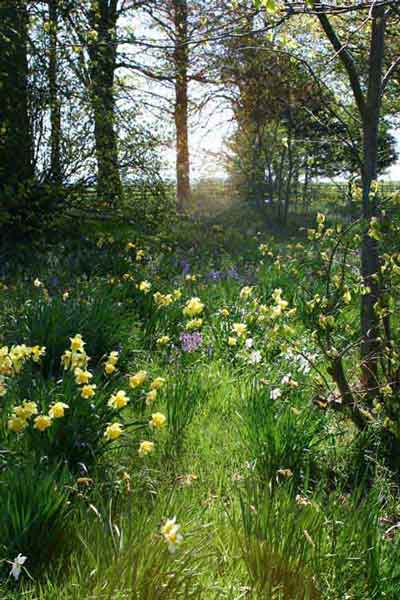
346 59
389 73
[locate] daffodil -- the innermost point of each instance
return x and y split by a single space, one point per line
113 431
170 532
158 383
16 424
42 422
77 343
137 379
145 448
163 340
194 324
16 566
82 377
245 292
88 391
57 410
193 307
26 409
145 286
151 396
158 420
109 368
118 400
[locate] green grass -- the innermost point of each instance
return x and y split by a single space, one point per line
276 499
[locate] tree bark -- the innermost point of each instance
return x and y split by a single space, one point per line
369 247
16 147
102 52
181 59
55 106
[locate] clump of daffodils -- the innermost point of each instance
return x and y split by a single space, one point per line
12 359
170 533
76 356
110 365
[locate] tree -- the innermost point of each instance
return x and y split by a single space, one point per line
16 167
368 87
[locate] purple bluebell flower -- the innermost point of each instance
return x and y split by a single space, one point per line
185 266
233 273
214 275
191 341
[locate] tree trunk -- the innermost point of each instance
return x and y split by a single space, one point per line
369 248
289 174
102 53
55 106
16 147
181 59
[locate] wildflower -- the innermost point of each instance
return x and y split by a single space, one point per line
193 307
139 255
191 341
239 328
57 410
170 532
77 343
158 383
224 312
288 380
109 368
137 379
37 283
82 377
151 396
42 422
232 341
177 294
65 296
113 431
275 393
255 357
245 292
16 566
16 424
118 400
286 473
26 410
194 324
248 343
163 340
191 278
302 500
320 219
88 391
158 420
113 358
145 448
3 387
84 481
145 286
130 245
66 359
347 297
38 352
